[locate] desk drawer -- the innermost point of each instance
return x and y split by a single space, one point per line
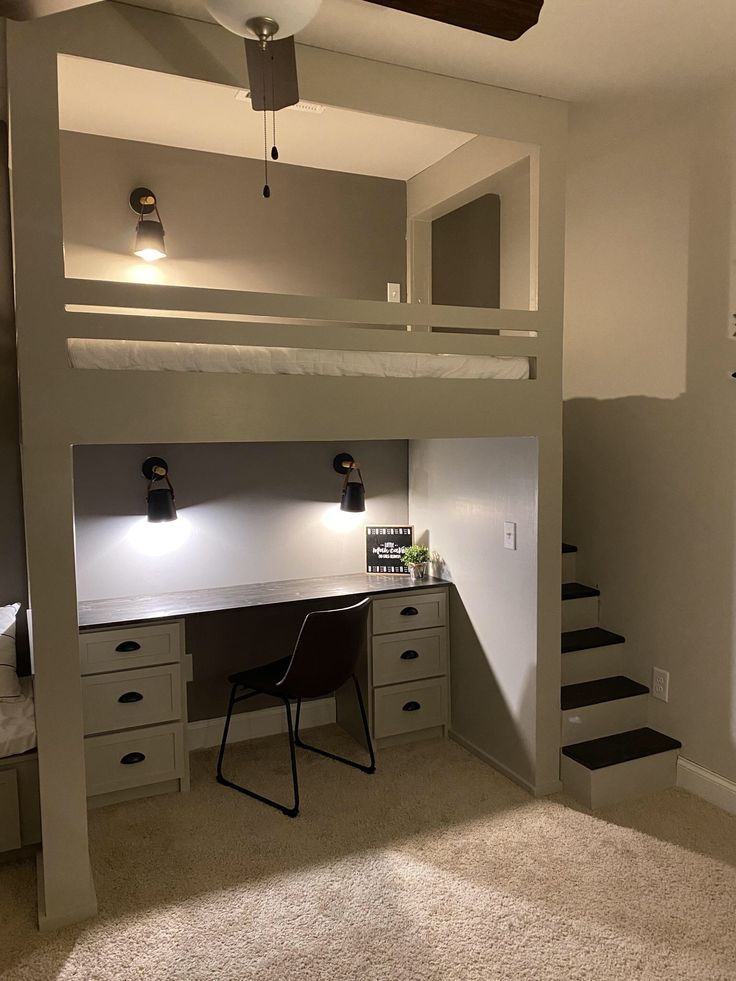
408 656
412 611
123 760
408 708
130 699
129 647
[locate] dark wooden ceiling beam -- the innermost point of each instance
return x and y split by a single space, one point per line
506 19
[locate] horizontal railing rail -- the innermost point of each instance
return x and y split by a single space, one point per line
186 301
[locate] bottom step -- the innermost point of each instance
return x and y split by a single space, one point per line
601 772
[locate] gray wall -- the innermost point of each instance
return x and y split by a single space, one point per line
461 493
251 512
320 233
466 254
650 416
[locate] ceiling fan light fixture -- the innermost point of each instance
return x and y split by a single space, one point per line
244 17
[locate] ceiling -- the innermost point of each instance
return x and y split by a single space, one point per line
105 99
581 50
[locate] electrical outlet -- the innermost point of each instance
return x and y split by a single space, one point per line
393 291
661 684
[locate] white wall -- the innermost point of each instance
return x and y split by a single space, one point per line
650 416
461 492
248 512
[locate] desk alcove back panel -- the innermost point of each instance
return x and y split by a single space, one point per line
231 628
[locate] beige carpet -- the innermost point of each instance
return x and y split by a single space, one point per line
435 868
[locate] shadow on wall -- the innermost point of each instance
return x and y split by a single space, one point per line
480 712
649 500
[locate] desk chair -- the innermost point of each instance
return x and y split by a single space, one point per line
322 661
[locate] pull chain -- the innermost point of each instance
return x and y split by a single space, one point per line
274 148
266 188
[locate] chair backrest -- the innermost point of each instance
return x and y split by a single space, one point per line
326 651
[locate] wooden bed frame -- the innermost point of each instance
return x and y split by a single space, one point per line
61 407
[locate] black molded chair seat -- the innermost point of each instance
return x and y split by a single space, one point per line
323 660
265 678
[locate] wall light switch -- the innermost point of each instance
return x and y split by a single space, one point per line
661 684
393 291
509 535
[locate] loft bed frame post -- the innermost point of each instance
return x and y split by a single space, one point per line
65 889
132 407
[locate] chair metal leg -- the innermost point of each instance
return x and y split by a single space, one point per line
371 768
289 811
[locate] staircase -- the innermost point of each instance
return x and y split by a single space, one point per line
609 754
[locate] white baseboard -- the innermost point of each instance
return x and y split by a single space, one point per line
542 791
262 722
704 783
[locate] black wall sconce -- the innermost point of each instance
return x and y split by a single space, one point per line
159 499
149 232
352 497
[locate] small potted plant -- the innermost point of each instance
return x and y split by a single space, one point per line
416 558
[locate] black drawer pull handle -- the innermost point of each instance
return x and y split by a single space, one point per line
411 707
410 655
130 696
131 758
409 611
128 646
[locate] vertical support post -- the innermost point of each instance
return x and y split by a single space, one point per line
419 265
65 889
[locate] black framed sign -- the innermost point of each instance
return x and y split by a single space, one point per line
383 547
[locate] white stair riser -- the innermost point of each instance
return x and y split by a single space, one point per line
624 781
605 719
596 662
577 614
568 567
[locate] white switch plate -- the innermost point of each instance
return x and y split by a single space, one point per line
393 292
661 684
509 535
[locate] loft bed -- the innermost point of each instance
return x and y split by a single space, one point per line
62 320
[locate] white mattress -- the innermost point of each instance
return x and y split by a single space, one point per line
120 355
18 723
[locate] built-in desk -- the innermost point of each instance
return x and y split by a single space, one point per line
135 666
109 612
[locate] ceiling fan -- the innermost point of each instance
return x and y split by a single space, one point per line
268 28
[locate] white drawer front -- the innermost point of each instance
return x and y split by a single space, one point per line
129 647
130 699
408 656
412 611
133 759
408 708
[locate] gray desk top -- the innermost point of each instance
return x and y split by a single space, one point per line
98 613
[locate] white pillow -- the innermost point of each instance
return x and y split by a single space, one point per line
10 690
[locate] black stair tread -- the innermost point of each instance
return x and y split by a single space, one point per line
600 690
589 637
568 548
578 590
620 748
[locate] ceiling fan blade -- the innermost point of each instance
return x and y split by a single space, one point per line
507 19
31 9
272 76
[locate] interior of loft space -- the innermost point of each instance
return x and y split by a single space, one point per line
361 206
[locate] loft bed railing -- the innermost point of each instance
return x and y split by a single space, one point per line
146 312
156 300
